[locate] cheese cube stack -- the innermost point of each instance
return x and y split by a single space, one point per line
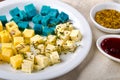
16 61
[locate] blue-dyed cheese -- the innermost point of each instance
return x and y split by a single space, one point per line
45 10
63 17
38 28
37 19
53 22
3 19
30 10
23 25
45 20
14 12
53 13
47 31
23 15
16 19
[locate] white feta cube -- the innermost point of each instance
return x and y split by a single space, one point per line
54 57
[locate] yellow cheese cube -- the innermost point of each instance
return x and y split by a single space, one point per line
60 28
51 39
18 40
6 45
7 53
37 39
5 36
54 57
27 34
11 25
42 61
9 46
30 56
15 32
27 66
16 61
75 35
1 57
50 48
22 48
1 26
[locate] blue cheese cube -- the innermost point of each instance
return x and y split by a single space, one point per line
14 12
23 15
54 57
75 35
23 25
45 10
38 28
37 19
30 10
63 17
3 19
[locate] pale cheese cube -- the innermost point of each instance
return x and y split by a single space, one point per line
75 35
59 42
50 48
30 56
69 46
64 35
54 57
60 28
37 67
6 45
27 66
42 61
37 39
41 47
51 39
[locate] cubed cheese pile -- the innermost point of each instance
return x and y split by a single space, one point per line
33 49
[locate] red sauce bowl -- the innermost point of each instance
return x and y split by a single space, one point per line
109 45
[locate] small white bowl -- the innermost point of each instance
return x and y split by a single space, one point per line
98 7
98 44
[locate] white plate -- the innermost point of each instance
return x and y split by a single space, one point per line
69 61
